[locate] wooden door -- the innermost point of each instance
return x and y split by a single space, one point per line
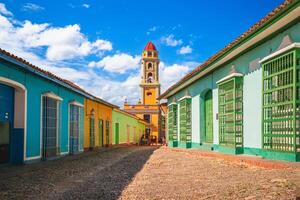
100 132
208 107
6 121
117 133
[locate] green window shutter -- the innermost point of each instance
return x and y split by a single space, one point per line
185 120
175 118
172 122
92 132
281 105
231 112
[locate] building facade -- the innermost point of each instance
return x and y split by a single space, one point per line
245 98
127 128
41 115
97 123
148 107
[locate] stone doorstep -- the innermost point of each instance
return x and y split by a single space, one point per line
242 159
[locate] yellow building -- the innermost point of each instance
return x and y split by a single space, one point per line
148 108
97 123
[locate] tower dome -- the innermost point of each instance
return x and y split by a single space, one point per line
150 47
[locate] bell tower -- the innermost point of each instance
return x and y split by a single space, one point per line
150 85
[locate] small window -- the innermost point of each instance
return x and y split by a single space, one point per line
147 118
149 65
149 93
149 54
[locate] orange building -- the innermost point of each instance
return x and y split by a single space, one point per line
148 107
97 123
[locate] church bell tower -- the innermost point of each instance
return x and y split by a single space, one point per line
150 85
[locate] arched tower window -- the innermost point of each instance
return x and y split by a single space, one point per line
149 77
149 54
149 65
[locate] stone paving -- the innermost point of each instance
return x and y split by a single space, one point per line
147 173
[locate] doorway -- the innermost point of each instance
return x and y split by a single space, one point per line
6 121
107 128
100 132
74 128
117 133
208 115
50 127
128 134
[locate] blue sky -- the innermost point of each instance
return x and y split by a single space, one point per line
97 44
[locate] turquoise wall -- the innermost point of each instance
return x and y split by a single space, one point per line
36 86
252 89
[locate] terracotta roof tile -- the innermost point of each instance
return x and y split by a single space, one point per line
150 47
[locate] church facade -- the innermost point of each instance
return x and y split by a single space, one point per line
148 107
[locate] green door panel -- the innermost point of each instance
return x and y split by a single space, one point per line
100 132
117 133
208 109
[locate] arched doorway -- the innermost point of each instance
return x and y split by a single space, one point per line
12 121
208 117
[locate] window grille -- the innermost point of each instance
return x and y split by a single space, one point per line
51 127
231 112
185 120
172 122
281 103
74 128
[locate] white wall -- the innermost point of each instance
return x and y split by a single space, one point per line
196 119
252 101
215 111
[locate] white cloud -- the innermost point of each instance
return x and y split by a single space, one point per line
152 29
170 74
102 45
70 44
4 11
4 24
32 7
170 40
118 63
185 50
86 5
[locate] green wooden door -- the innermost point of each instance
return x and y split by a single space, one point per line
208 117
100 132
107 132
117 133
92 132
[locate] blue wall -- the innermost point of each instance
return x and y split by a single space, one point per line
36 86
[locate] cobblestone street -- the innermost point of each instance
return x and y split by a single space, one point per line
146 173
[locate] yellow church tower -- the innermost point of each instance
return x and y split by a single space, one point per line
148 107
150 76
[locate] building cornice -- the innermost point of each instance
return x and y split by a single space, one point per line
276 53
